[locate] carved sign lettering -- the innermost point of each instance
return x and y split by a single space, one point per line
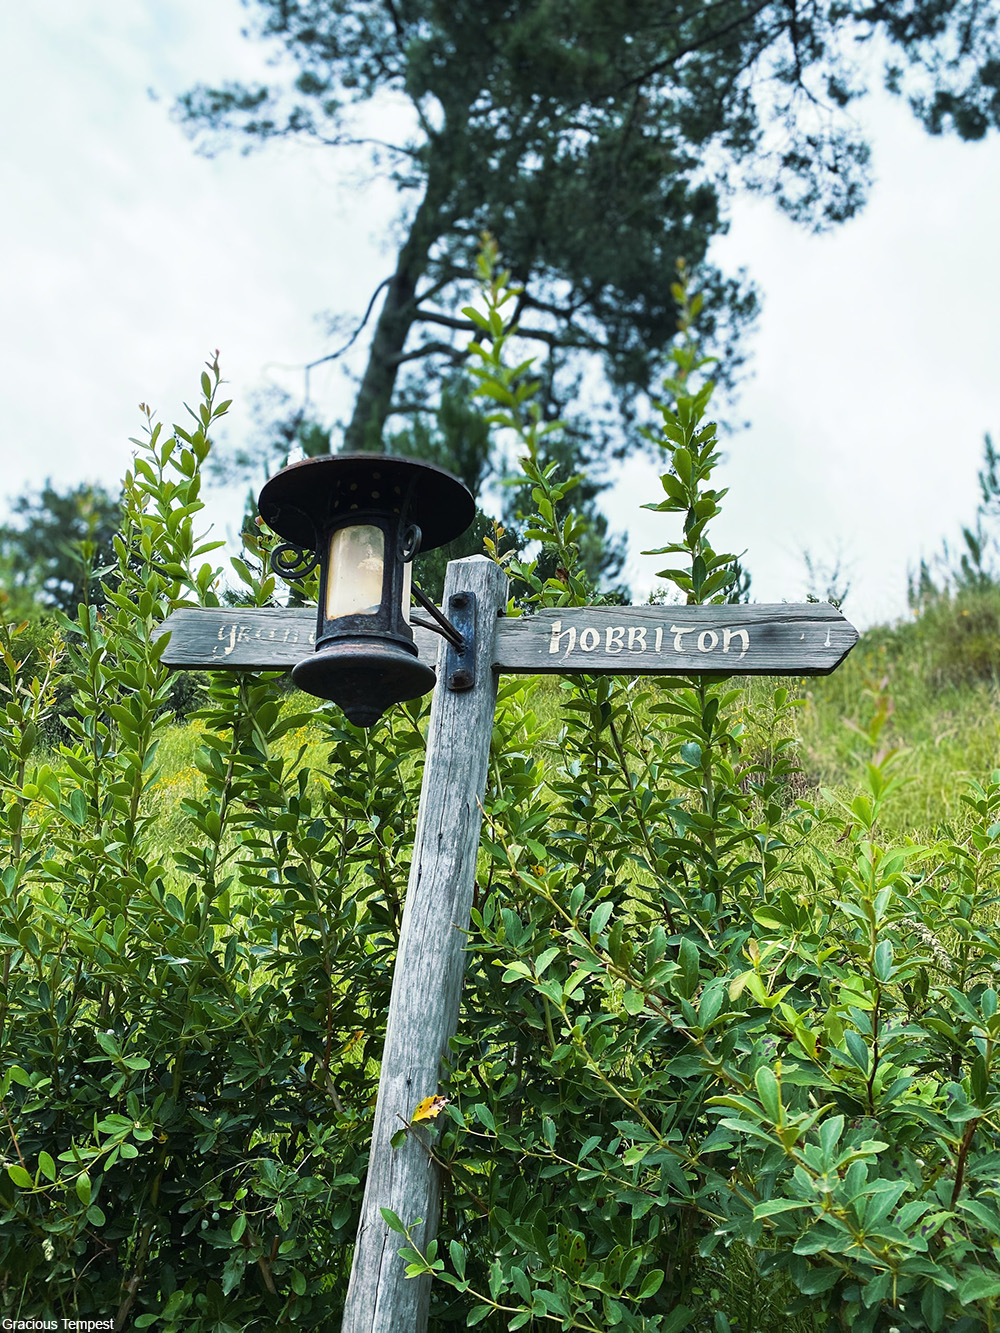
640 639
235 632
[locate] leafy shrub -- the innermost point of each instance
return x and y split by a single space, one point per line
188 1033
726 1059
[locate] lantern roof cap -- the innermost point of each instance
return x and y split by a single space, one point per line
303 499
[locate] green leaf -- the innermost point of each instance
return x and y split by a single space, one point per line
678 1318
576 1255
883 960
392 1221
932 1306
47 1165
83 1188
690 962
858 1050
712 1000
600 918
546 957
830 1132
770 918
485 1116
979 1078
769 1093
981 1286
108 1044
651 1283
772 1207
457 1253
477 317
20 1177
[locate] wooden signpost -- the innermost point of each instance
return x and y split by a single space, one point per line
796 640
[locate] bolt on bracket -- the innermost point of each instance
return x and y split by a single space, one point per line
460 660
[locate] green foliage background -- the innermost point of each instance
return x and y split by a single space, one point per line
727 1051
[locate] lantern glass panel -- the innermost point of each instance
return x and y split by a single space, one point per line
356 571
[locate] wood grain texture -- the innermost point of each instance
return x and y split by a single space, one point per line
423 1010
769 640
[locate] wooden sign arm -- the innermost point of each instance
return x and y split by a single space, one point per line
427 982
744 640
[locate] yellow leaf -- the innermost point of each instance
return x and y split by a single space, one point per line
429 1108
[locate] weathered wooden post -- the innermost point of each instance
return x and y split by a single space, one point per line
426 989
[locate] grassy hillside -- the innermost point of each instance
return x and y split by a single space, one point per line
938 678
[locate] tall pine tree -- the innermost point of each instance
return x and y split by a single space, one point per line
598 141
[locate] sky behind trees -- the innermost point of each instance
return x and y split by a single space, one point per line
874 365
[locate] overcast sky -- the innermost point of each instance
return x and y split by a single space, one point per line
128 259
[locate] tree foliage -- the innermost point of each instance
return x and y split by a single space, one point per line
598 142
54 550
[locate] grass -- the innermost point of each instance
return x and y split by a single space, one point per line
945 722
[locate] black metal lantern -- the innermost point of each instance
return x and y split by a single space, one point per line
363 517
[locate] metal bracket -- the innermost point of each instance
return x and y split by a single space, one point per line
441 624
290 562
460 662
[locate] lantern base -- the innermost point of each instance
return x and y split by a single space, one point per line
364 677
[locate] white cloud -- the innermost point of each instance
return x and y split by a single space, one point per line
874 373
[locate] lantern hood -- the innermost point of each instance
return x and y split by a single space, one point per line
303 500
